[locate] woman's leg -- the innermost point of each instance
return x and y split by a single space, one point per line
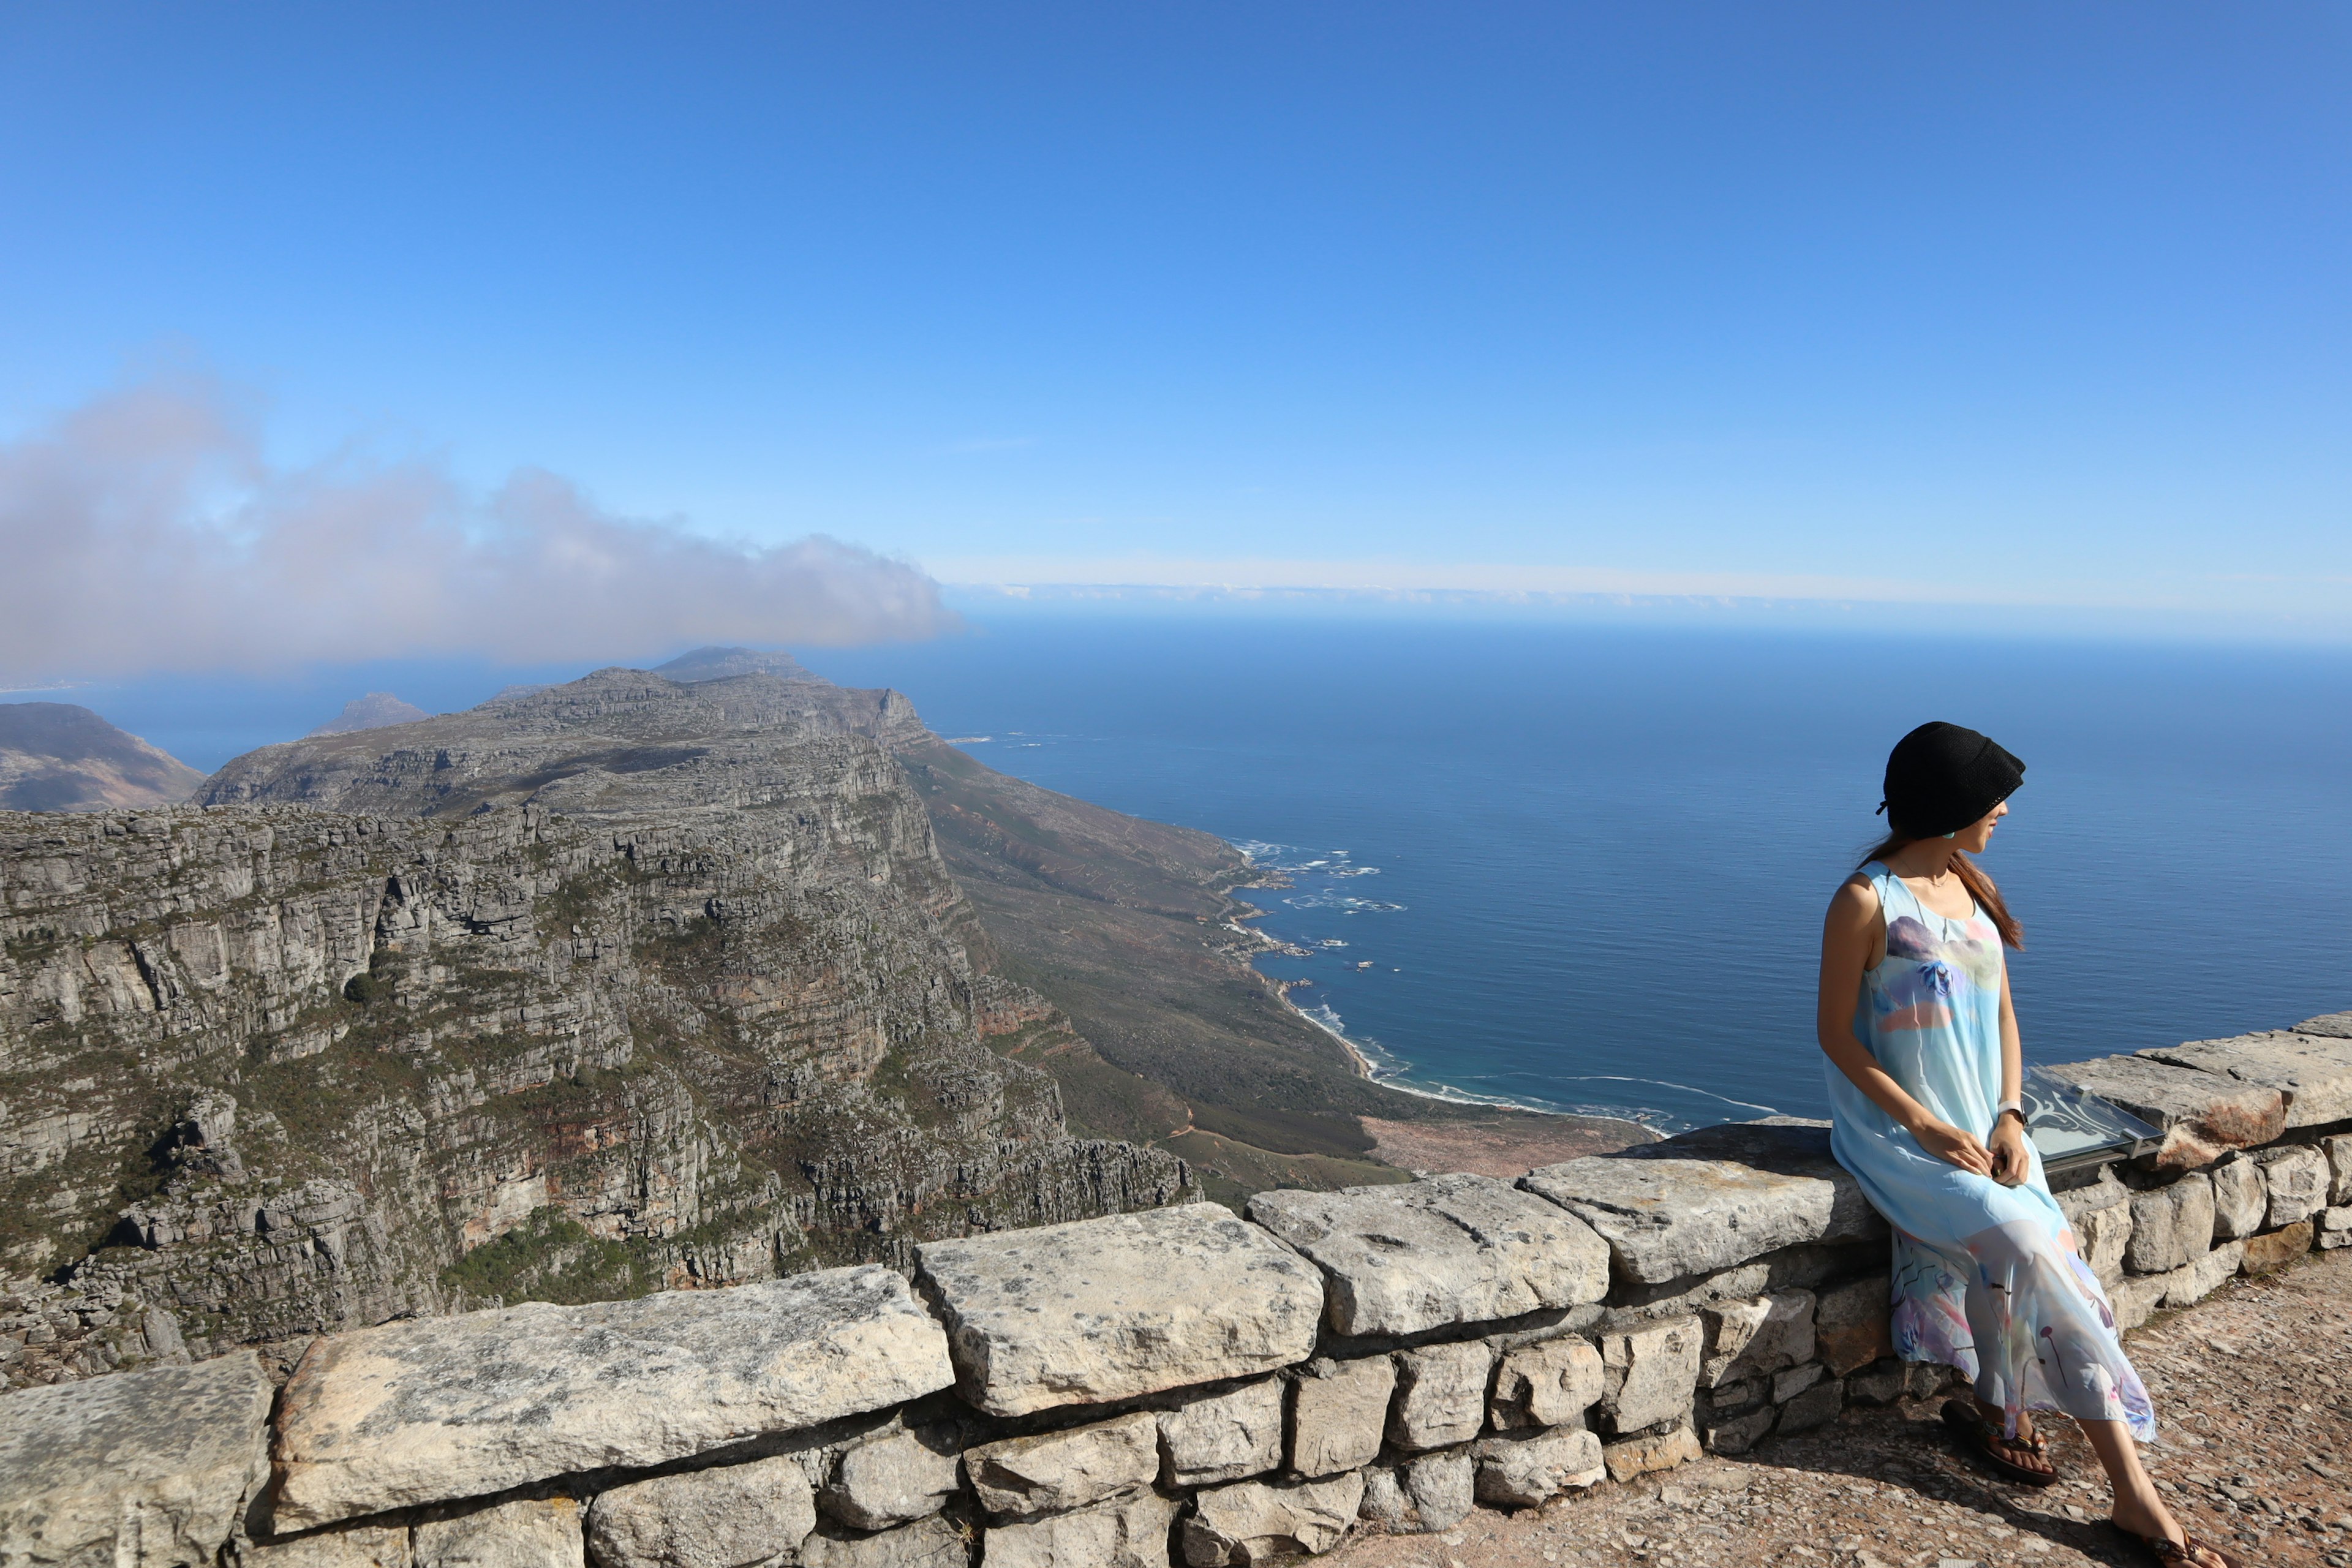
2138 1506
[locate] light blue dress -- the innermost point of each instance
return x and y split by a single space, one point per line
1987 1278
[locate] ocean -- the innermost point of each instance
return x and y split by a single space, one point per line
1583 868
1582 865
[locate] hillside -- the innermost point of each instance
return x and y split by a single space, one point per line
58 756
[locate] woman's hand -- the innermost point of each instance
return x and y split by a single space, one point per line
1951 1144
2007 1145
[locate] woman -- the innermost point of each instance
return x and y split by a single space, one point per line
1924 1080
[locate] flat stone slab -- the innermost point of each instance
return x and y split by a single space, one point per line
2311 1072
137 1470
1451 1249
433 1410
2338 1024
1111 1308
2204 1114
1711 1199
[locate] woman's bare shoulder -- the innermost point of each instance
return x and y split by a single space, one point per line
1856 896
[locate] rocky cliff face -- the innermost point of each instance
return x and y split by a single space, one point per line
624 984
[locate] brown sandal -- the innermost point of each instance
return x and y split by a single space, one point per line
2181 1553
1987 1440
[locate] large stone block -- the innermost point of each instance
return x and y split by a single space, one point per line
1759 1334
2297 1183
1053 1472
1649 1372
1816 1406
1423 1495
2135 1299
1737 1434
2100 1216
1441 1395
2338 1149
728 1517
933 1543
2311 1072
1338 1413
1523 1470
1216 1437
139 1469
1126 1533
2335 1228
893 1479
1639 1456
1107 1308
428 1410
1710 1199
2193 1281
1852 1325
2240 1198
1551 1384
530 1532
1259 1521
1451 1249
2172 1226
2277 1248
2204 1115
2336 1025
344 1546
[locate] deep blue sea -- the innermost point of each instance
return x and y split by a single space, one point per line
1586 864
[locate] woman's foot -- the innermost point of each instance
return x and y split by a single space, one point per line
2027 1450
2024 1458
2152 1523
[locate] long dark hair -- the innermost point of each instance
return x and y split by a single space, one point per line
1972 878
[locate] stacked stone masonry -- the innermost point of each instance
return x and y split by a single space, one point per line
1180 1385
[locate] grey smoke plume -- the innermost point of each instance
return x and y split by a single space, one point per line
145 530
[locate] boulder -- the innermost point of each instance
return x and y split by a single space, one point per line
1215 1438
2135 1299
2312 1073
1258 1522
2277 1248
2240 1198
728 1517
1794 1381
1126 1533
1552 1383
1525 1470
2338 1149
138 1469
1450 1249
528 1533
1053 1472
1852 1323
1759 1334
2296 1180
1107 1308
1423 1495
894 1479
1441 1395
2335 1228
933 1543
2100 1216
1649 1372
1708 1200
2171 1224
2192 1282
2336 1025
1337 1412
1738 1433
1657 1451
346 1546
431 1409
1816 1406
2204 1115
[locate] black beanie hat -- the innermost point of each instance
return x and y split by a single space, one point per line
1941 777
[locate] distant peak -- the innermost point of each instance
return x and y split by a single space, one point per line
376 711
718 663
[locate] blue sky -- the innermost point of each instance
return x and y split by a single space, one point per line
2005 304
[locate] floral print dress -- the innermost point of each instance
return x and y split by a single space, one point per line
1986 1278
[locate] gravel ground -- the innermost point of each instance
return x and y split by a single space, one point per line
2253 1397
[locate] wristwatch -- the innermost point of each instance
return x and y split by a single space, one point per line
2006 1106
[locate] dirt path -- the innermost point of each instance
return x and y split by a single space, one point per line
2254 1395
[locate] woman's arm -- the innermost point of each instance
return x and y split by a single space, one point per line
2005 1139
1849 941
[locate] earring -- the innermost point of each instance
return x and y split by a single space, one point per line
1954 833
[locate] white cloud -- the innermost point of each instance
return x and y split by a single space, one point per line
145 530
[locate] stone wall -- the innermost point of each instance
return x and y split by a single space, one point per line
1177 1384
